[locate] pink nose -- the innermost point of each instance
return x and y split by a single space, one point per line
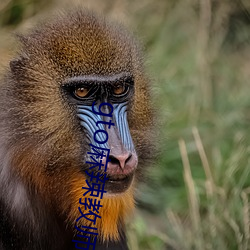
120 160
124 163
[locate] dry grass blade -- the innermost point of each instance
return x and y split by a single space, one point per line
246 220
204 160
192 197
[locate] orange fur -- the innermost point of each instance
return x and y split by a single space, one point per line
114 211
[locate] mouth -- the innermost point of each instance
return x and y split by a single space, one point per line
115 183
118 183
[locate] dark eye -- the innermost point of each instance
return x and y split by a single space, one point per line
81 92
119 89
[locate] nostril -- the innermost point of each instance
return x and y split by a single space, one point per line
113 160
128 158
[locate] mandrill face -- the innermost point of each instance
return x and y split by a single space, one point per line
107 129
52 110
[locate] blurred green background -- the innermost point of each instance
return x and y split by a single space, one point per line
196 194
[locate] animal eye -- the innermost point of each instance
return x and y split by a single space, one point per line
81 92
119 89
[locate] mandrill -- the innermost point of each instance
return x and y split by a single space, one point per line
70 73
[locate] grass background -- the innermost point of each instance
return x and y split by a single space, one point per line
198 53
